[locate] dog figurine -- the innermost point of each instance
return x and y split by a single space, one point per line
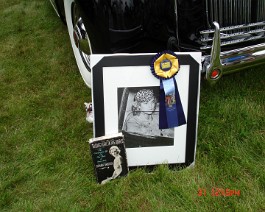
89 112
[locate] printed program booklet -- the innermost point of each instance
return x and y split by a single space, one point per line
109 157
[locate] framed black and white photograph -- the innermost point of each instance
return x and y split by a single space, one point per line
126 99
139 118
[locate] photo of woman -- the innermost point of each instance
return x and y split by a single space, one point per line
117 163
139 118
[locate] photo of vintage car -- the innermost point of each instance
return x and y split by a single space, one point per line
229 33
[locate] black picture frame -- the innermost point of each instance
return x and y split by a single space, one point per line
145 60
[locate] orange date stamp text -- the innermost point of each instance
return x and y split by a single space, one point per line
215 192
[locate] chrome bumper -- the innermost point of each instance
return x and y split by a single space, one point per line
221 63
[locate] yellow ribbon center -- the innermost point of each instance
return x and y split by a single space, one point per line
174 66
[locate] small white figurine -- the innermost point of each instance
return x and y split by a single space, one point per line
89 112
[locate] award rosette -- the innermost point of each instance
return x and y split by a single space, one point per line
165 66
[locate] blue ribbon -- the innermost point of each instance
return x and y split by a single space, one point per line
170 108
171 112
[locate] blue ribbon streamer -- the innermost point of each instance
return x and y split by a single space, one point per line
171 112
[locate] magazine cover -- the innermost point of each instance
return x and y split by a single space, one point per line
109 157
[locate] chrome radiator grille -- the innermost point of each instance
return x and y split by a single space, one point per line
240 21
261 10
229 12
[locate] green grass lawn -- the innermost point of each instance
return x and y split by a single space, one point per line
45 164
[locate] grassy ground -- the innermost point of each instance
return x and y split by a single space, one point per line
44 158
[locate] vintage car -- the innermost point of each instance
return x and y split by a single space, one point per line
229 33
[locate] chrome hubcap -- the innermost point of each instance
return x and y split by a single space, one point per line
80 37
